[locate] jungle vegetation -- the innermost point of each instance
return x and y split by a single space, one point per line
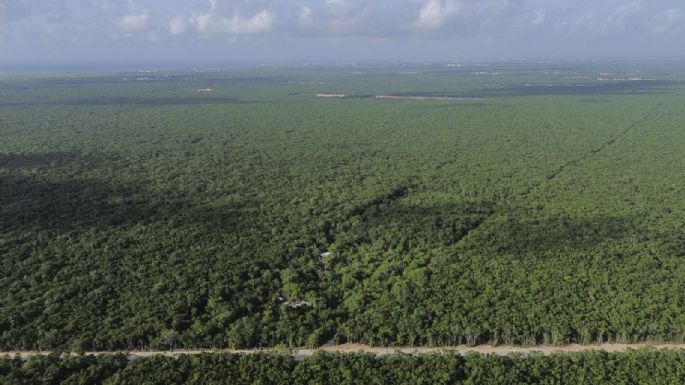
144 211
587 368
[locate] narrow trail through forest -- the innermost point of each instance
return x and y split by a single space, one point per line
302 353
604 146
570 163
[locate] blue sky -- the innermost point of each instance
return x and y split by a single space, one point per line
48 31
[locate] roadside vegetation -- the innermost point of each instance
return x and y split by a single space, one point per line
634 367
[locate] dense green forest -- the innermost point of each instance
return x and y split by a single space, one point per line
633 367
192 209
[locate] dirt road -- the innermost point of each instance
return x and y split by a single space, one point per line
303 353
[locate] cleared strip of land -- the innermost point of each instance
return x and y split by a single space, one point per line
359 348
401 97
420 97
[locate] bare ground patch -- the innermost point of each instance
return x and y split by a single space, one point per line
422 97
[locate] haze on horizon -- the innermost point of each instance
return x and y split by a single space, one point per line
48 31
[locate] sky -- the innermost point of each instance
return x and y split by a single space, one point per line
55 31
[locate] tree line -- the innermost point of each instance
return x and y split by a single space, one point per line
581 368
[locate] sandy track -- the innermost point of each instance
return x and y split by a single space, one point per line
357 348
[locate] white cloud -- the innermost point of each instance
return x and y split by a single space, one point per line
337 3
261 22
334 21
212 23
360 23
304 16
624 15
435 13
539 17
134 22
345 18
670 21
178 26
634 19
